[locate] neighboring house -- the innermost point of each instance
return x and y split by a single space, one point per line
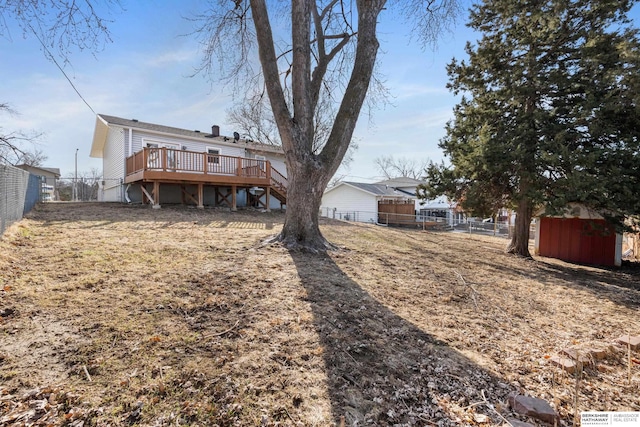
405 185
150 163
357 201
440 208
49 177
581 236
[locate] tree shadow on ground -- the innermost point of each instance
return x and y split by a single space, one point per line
620 286
100 214
382 369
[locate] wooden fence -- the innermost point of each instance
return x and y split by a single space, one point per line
401 212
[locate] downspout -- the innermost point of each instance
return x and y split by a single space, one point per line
126 190
126 193
130 141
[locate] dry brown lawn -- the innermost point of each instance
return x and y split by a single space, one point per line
124 315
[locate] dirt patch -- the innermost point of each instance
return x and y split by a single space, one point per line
115 314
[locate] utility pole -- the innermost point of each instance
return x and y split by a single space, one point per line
75 180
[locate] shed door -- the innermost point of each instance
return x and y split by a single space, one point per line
583 241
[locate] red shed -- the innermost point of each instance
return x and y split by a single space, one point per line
581 236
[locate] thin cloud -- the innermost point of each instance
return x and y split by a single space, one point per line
407 91
173 57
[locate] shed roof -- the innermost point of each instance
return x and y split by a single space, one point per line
572 210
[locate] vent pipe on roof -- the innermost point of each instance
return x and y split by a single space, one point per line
215 130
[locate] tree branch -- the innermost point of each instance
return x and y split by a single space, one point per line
271 75
356 90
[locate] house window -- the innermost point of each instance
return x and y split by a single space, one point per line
155 160
213 155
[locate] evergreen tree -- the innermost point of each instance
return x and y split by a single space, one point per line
549 113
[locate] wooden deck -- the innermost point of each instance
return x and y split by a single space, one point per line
168 166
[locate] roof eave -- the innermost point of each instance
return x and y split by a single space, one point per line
99 138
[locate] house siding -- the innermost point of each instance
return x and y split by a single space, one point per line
278 164
346 201
190 145
113 164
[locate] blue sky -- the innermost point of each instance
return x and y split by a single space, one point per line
144 74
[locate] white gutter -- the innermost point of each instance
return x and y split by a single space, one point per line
130 142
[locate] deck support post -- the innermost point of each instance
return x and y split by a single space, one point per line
156 195
234 197
144 193
268 196
200 195
153 197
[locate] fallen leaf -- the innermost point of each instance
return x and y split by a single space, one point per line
480 418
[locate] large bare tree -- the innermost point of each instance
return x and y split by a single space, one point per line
392 167
321 50
19 146
60 26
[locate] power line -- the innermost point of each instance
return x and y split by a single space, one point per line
59 67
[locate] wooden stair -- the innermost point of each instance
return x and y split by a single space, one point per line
278 186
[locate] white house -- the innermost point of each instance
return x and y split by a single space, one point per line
49 178
357 201
440 208
151 163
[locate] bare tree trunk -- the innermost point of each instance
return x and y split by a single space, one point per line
519 244
307 172
304 195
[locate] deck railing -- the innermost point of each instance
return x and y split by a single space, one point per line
279 181
170 160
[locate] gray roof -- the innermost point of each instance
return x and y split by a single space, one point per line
134 123
153 127
377 189
53 171
402 181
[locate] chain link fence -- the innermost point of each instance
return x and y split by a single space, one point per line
466 225
19 193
